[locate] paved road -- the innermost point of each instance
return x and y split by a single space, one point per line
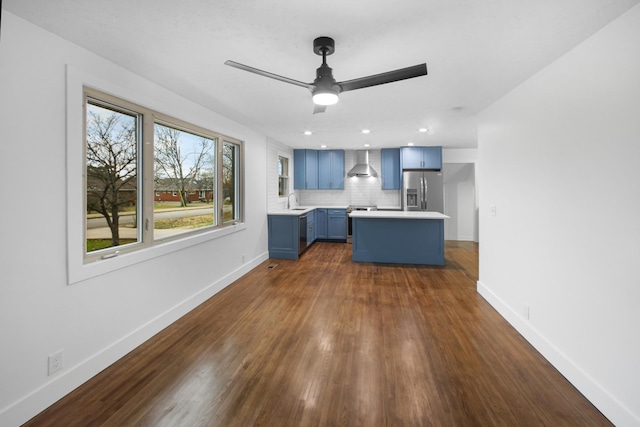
128 219
97 226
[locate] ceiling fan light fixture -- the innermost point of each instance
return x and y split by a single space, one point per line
325 97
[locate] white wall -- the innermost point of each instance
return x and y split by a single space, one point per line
98 320
559 158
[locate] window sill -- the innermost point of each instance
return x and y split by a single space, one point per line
81 272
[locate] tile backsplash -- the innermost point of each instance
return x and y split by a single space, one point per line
357 191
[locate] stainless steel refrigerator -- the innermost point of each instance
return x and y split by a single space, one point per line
422 191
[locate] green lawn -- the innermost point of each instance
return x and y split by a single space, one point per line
191 222
97 244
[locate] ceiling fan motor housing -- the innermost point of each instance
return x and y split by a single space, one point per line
324 79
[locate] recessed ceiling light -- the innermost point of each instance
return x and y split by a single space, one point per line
410 144
307 132
323 146
367 145
423 130
366 131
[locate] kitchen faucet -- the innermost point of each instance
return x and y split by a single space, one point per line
289 200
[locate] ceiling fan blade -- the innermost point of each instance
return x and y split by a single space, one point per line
382 78
319 108
268 74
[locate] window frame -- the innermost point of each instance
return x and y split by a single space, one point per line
79 266
285 177
238 207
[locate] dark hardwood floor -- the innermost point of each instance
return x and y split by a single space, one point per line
326 342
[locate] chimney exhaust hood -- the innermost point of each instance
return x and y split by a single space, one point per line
362 167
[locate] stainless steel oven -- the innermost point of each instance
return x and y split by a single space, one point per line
352 208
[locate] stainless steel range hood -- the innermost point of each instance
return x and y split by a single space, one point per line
362 167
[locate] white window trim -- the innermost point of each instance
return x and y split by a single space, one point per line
77 270
289 157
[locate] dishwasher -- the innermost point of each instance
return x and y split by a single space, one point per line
302 226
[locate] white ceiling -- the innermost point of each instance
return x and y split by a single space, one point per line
476 51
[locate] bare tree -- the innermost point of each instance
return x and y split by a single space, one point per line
171 162
111 166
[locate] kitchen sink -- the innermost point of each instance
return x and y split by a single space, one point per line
299 209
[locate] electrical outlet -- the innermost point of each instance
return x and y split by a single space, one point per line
526 312
243 258
492 210
55 362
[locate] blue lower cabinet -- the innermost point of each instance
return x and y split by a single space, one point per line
311 228
400 241
321 223
337 224
283 236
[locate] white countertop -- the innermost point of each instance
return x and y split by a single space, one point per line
398 214
299 210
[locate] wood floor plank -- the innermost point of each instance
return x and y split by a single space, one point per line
324 341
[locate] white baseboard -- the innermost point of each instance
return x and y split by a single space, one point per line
462 239
38 400
606 403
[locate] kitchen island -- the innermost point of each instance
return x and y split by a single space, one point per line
398 237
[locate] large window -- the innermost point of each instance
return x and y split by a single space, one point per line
113 142
184 180
151 178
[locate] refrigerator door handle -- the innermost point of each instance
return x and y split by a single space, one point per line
426 189
422 193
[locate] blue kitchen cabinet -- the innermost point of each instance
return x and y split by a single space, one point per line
311 228
337 224
337 169
398 240
421 158
391 171
321 223
305 169
331 169
283 236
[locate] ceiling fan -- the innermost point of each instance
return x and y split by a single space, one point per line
325 89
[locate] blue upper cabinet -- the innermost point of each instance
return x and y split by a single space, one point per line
391 172
421 157
331 169
337 169
305 169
